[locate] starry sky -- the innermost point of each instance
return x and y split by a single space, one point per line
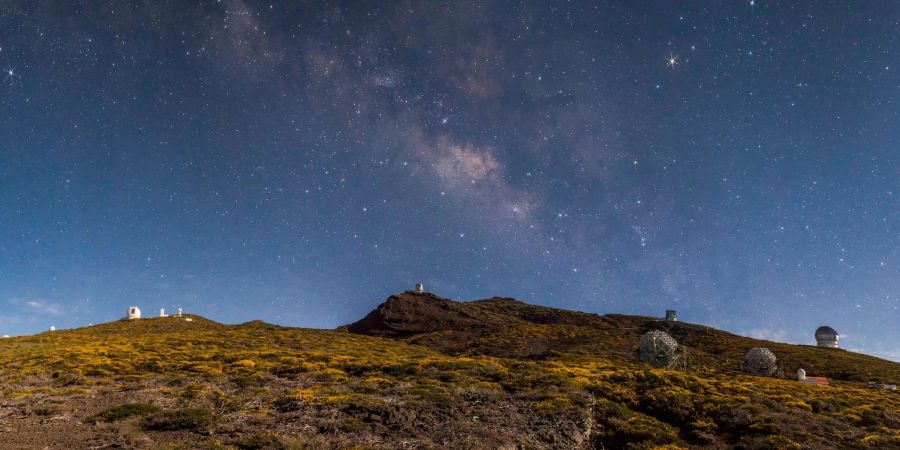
298 162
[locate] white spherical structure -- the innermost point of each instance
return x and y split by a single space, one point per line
420 288
133 313
659 349
761 362
827 337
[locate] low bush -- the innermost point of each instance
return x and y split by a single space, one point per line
258 442
123 412
186 419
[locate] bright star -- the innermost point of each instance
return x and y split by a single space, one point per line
10 73
672 61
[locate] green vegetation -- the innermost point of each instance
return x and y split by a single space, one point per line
258 442
541 385
190 419
123 412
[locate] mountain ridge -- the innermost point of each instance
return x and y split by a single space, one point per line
426 319
497 373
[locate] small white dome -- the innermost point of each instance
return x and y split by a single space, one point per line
133 313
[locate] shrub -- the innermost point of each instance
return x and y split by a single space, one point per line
553 405
189 419
69 379
45 410
122 412
258 442
869 418
148 366
245 363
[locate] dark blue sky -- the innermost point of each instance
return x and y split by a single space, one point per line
300 162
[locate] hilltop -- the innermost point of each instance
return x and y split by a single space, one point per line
422 371
509 328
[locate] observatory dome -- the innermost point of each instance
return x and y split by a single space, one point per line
827 337
659 349
761 362
133 313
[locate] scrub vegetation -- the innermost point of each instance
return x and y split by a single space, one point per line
516 375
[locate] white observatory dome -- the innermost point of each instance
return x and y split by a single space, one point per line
133 313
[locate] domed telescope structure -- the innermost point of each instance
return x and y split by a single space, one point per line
827 337
761 362
420 288
133 313
659 349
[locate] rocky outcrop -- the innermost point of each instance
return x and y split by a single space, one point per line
411 313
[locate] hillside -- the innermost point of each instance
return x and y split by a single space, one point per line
425 372
505 327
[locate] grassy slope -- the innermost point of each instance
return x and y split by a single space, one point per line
529 331
580 382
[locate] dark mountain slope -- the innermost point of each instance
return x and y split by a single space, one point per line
509 328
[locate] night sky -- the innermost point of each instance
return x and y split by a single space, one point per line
298 162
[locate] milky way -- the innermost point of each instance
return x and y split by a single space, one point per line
297 162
